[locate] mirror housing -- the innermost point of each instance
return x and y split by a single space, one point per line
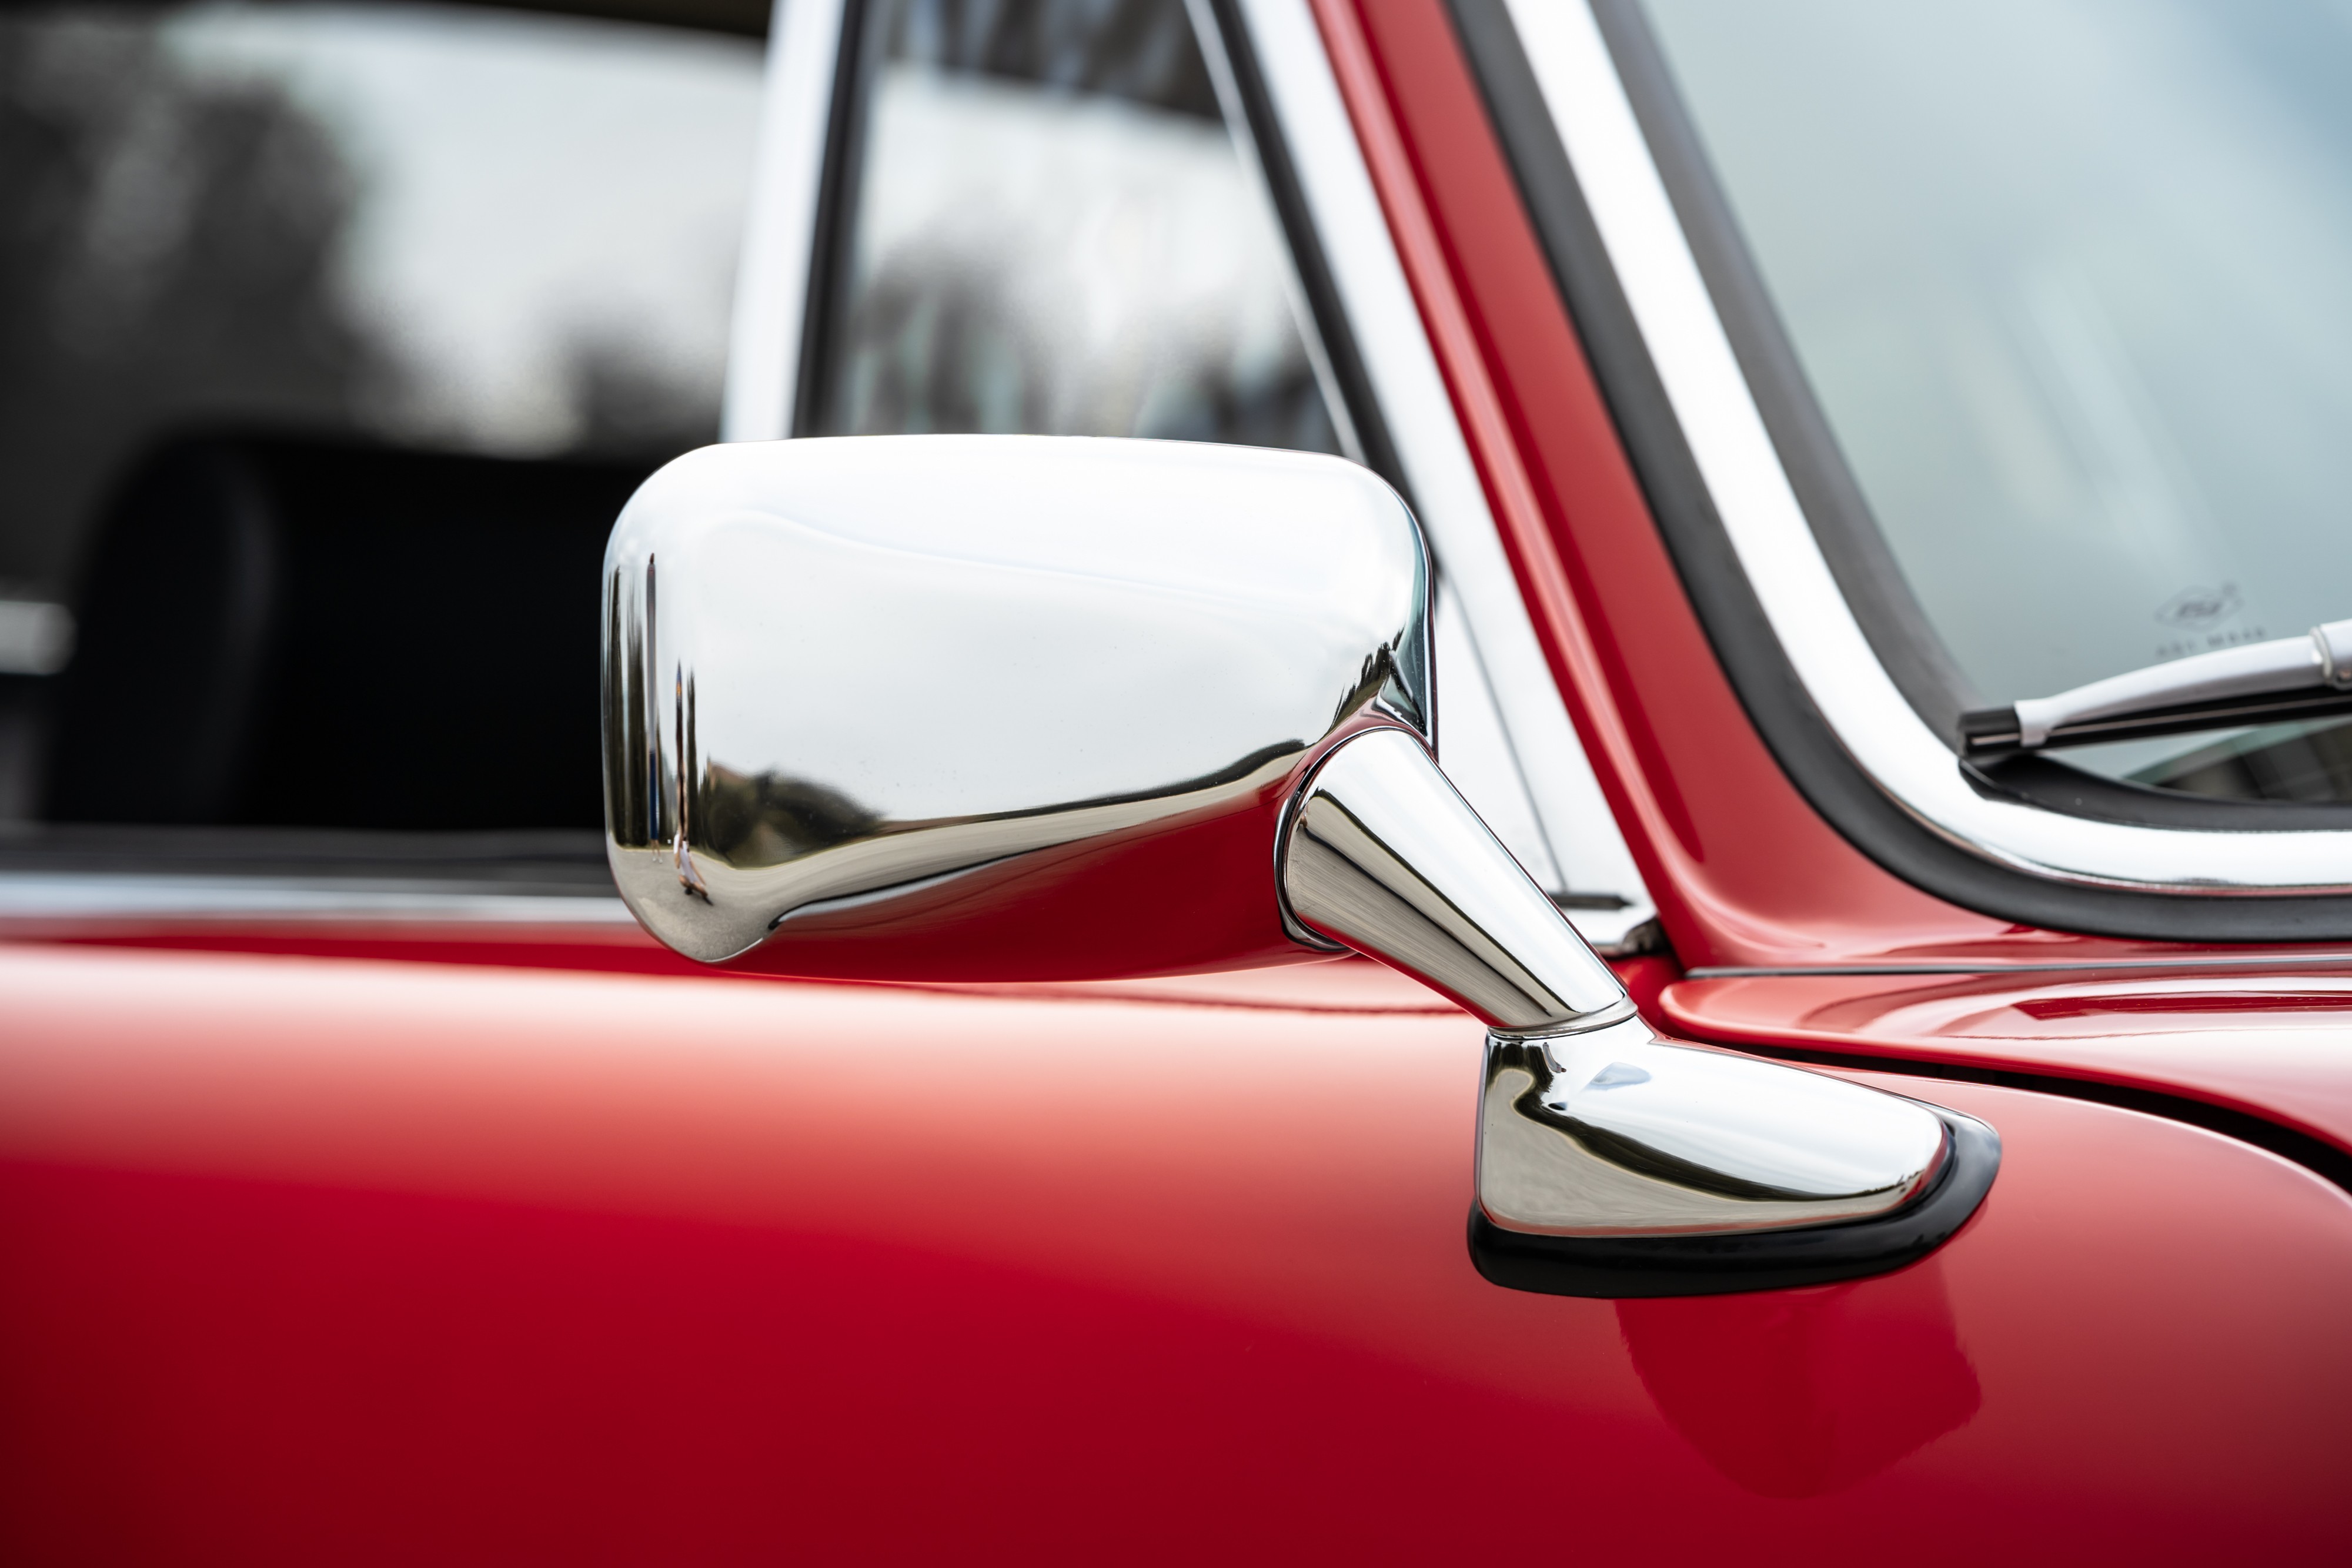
992 707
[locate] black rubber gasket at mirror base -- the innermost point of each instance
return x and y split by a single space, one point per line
1623 1267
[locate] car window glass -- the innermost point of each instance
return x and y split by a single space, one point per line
2066 278
372 268
1042 227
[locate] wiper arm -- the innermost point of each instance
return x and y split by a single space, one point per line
2261 683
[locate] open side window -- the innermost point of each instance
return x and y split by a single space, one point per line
333 338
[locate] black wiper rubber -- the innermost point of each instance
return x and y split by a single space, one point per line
1995 732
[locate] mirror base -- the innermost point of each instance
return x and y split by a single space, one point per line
1621 1267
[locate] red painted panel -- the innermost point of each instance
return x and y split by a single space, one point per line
1345 984
319 1260
2277 1045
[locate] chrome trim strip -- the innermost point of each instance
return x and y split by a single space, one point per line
1380 851
1220 65
103 895
1776 547
2256 961
763 351
1581 830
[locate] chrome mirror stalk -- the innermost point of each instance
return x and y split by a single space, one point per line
1382 853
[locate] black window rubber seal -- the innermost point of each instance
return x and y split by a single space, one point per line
1629 1267
1792 728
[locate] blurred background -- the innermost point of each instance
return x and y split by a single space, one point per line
272 273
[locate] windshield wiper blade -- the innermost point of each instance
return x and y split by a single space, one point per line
2261 683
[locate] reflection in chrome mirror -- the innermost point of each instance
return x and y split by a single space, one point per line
991 707
1023 708
1045 229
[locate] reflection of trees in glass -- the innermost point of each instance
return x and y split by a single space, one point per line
166 257
1142 50
626 404
990 337
174 256
1052 233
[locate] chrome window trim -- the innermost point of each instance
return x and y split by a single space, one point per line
772 280
1219 61
112 895
1581 830
1717 410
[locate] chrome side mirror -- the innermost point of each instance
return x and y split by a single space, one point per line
1002 707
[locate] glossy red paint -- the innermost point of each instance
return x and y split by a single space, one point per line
326 1261
1743 869
2272 1044
1345 984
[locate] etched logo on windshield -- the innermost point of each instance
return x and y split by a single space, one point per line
2197 616
2193 609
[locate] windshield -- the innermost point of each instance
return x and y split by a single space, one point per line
2069 280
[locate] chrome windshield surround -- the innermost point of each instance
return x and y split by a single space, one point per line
1716 409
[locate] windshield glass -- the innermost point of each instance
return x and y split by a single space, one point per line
2068 278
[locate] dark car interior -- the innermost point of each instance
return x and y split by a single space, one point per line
307 640
394 649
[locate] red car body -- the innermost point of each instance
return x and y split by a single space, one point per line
335 1242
